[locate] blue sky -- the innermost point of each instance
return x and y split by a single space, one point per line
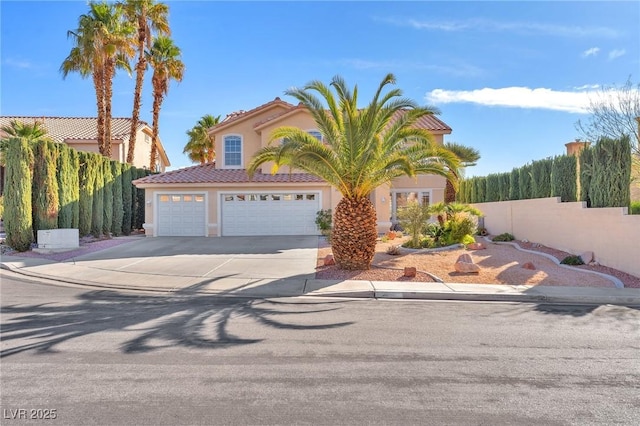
510 78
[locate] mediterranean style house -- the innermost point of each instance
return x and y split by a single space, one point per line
81 133
220 200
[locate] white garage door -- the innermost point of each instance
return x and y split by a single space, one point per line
270 213
181 215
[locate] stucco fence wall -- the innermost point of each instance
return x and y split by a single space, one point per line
610 233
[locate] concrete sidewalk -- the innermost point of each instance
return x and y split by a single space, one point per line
301 285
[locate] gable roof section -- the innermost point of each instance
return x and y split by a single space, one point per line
207 173
236 117
62 129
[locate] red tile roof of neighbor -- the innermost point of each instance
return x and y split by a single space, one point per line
207 173
62 129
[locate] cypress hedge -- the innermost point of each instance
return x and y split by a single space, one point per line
481 189
68 189
87 180
611 173
563 178
140 204
97 218
118 211
526 191
514 184
503 186
493 188
541 178
17 198
45 186
586 172
107 217
127 199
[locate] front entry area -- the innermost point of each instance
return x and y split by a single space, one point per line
269 213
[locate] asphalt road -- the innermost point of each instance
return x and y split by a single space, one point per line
97 357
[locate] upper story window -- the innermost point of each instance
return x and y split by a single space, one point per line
233 151
316 134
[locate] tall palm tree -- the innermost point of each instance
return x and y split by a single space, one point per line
101 47
148 17
19 129
468 157
164 58
362 149
201 145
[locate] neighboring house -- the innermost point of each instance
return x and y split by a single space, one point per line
220 200
81 133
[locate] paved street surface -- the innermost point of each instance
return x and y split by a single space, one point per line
99 357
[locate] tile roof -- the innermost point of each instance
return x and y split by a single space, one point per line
207 173
62 129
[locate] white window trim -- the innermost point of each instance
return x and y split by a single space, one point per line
224 149
318 131
420 191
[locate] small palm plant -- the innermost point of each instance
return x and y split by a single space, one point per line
362 149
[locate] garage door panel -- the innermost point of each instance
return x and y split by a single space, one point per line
269 214
181 215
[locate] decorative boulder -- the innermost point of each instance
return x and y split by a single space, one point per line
529 265
587 257
476 246
465 265
410 271
329 260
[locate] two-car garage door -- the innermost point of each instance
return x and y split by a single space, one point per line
273 213
269 213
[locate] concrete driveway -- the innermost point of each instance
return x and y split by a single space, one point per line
223 257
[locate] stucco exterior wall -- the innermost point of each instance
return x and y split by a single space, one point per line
610 233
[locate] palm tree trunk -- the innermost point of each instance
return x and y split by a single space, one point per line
353 241
110 70
211 153
135 115
98 82
449 193
157 102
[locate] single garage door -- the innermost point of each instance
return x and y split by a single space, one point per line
181 215
270 213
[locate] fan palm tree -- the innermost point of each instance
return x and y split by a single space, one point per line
201 145
101 47
362 149
148 17
19 129
468 157
164 58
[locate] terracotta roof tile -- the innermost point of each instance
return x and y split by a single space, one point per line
207 173
62 129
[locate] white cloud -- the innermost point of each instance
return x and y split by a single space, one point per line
515 97
15 63
587 86
485 25
591 52
616 53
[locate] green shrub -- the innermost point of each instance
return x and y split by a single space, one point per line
324 221
140 204
503 237
611 173
480 185
541 178
68 188
413 218
460 225
97 219
118 210
493 188
586 173
468 239
1 206
635 207
17 201
526 191
107 218
503 186
87 180
514 184
45 202
127 199
563 178
572 260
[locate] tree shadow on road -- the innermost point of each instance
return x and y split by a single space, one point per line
181 319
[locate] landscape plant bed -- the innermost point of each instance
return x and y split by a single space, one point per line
499 264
